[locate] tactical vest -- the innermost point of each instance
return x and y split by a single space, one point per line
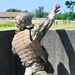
26 49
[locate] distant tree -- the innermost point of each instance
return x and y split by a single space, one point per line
70 5
13 10
26 11
59 16
73 15
45 14
39 12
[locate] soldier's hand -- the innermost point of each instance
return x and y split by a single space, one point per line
56 8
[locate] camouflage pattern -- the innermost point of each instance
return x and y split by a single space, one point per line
40 30
38 33
23 19
36 69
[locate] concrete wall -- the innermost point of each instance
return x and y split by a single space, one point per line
9 63
60 45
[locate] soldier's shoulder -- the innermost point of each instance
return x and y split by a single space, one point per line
21 33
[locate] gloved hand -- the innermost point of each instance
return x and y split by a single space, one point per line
56 8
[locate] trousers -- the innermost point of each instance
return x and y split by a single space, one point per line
37 68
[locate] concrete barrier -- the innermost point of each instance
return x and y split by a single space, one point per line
9 63
60 44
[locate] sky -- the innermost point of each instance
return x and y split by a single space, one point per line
31 5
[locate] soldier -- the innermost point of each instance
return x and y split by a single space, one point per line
26 43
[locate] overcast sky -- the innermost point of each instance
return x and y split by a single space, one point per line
31 5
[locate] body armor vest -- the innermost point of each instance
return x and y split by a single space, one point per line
26 49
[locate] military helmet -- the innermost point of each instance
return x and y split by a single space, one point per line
23 20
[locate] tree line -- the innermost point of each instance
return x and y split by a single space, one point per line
40 13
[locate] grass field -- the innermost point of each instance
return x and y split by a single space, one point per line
58 24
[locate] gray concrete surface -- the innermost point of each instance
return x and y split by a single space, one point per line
60 45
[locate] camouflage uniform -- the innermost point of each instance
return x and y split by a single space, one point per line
27 45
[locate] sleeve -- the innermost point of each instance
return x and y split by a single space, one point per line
40 30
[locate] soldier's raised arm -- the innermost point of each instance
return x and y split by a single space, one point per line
39 31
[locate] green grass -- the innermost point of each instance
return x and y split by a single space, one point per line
62 25
10 24
7 23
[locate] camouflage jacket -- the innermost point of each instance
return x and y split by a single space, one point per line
40 30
